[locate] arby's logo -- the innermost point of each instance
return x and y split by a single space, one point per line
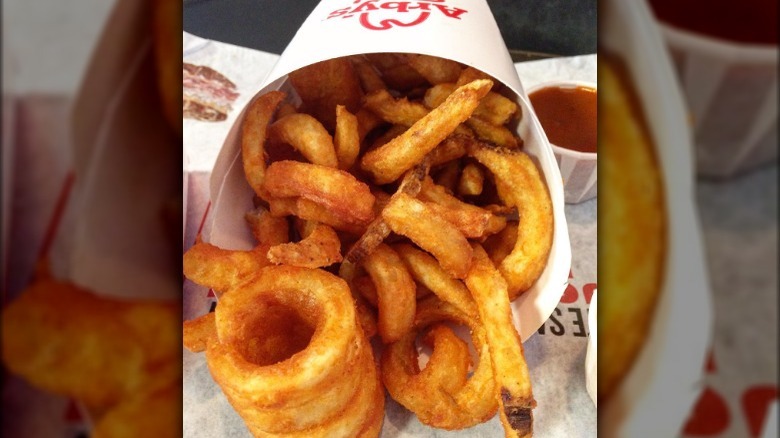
384 15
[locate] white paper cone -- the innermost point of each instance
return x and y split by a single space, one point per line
464 31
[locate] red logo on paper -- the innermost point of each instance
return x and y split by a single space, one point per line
383 15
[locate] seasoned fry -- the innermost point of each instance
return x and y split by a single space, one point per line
253 136
337 190
347 138
447 407
324 85
395 292
369 77
471 220
495 134
396 111
452 148
222 269
390 161
513 382
307 135
197 333
521 186
268 229
501 244
428 272
378 230
434 69
319 249
472 180
494 108
312 211
412 218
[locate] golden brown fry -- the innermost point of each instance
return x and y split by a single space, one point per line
366 288
304 227
307 135
434 69
285 109
367 122
452 148
471 220
267 229
196 333
428 272
396 111
319 249
335 189
520 185
501 244
470 74
412 218
378 230
402 77
347 138
324 85
253 136
369 77
513 381
493 108
498 135
472 180
312 211
391 133
447 175
390 161
395 292
449 363
457 408
222 269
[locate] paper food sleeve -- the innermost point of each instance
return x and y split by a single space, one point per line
663 382
460 30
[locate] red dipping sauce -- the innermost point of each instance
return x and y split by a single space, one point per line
748 21
568 115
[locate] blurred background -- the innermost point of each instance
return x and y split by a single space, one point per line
46 48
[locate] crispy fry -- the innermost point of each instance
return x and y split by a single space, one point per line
312 211
428 272
412 218
496 134
513 382
395 292
472 180
434 69
367 122
326 84
222 269
319 249
397 111
307 135
493 108
501 244
453 408
253 136
347 138
334 189
369 77
266 228
378 230
521 186
390 161
470 74
452 148
471 220
196 333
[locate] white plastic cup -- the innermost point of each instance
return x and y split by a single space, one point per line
578 169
